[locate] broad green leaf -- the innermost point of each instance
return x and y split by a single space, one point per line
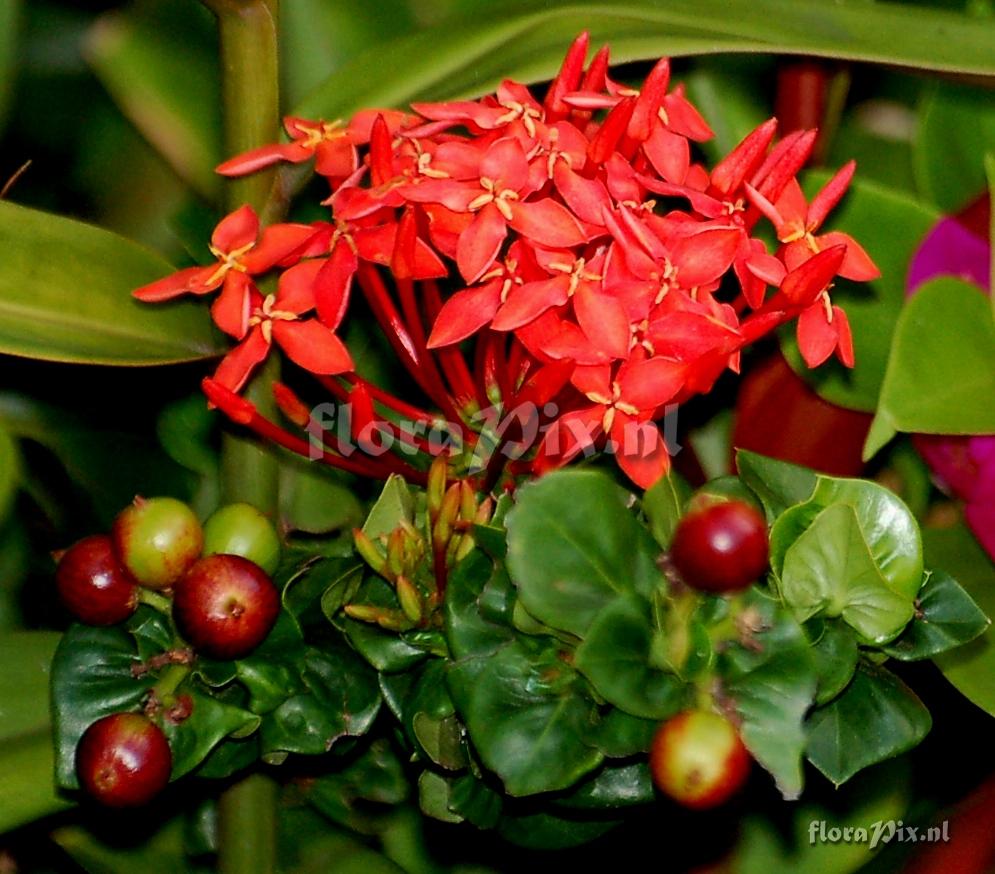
839 740
835 653
24 695
887 527
956 128
613 786
10 19
615 656
476 801
209 723
877 134
829 570
619 735
314 500
941 368
872 308
946 617
468 630
770 681
574 546
341 699
435 797
523 707
29 793
430 720
394 506
469 56
971 668
10 471
157 60
663 505
778 484
92 678
65 295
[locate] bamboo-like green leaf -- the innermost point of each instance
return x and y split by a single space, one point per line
65 295
470 55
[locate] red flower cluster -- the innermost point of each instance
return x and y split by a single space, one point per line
567 254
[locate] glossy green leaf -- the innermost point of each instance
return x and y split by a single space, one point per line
839 742
835 653
614 786
663 505
971 668
435 797
619 735
573 547
209 723
157 61
946 617
92 678
470 56
956 128
872 308
941 366
10 27
523 709
770 682
615 657
65 295
829 571
394 506
475 801
887 527
778 484
341 699
469 631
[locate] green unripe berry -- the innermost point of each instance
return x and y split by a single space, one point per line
241 529
157 540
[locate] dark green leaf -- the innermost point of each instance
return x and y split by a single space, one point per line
835 653
770 680
612 787
547 831
616 657
468 630
394 506
91 678
210 722
475 801
26 768
941 364
526 717
619 735
971 668
956 127
157 63
574 546
186 429
24 697
10 471
10 20
313 499
829 571
341 700
946 617
872 308
65 295
163 853
839 740
778 484
663 505
470 56
435 796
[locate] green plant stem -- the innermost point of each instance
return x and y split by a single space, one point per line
247 818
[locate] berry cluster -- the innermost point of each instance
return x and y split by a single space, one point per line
223 606
566 255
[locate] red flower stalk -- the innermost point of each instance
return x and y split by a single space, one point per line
552 274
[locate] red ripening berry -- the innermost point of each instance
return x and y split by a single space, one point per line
698 759
225 606
93 584
720 547
123 760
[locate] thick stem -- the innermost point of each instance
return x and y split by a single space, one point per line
247 818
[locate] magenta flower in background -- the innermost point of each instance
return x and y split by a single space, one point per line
964 466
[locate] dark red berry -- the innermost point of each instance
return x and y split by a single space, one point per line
225 606
94 585
720 546
157 540
698 759
123 760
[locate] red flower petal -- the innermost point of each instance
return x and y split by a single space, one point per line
644 114
703 258
236 366
313 346
649 384
817 338
603 319
277 244
236 230
295 291
669 153
569 435
844 346
830 194
189 280
803 284
505 164
332 284
264 156
640 450
857 264
547 223
480 243
465 313
335 158
231 309
529 301
737 166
